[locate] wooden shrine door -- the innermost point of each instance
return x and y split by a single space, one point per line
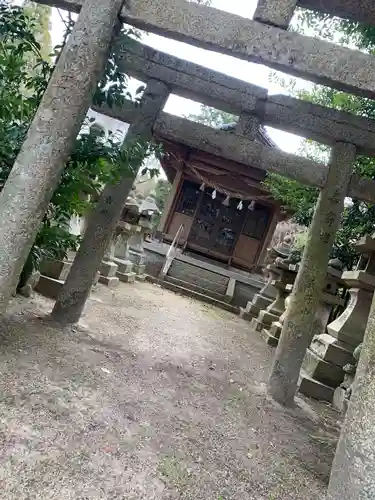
216 227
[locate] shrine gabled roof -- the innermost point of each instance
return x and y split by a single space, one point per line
264 137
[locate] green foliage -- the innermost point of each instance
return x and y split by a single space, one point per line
345 32
96 159
358 218
212 117
40 14
20 91
162 191
295 197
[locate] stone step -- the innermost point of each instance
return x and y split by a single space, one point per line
49 287
196 288
315 389
326 373
246 315
196 295
269 338
198 276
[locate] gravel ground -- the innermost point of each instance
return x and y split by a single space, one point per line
154 396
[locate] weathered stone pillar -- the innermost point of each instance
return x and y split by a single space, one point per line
103 221
108 267
297 329
275 12
353 469
51 137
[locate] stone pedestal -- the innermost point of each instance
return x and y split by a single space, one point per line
268 293
272 335
136 251
108 268
136 221
52 277
125 271
350 326
260 300
285 275
330 352
320 371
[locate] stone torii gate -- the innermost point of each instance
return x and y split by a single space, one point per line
263 40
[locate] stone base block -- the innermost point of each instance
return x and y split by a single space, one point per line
260 301
57 269
251 311
269 338
126 277
111 281
275 329
139 269
331 350
246 315
343 336
140 277
327 373
267 318
254 307
256 325
26 291
124 266
108 269
315 389
136 257
49 287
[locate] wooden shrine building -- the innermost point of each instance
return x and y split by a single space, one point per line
226 212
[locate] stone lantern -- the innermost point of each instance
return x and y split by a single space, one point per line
349 328
282 275
126 249
267 294
330 352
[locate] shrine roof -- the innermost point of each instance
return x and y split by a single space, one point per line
264 137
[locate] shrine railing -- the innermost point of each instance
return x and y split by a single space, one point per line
171 253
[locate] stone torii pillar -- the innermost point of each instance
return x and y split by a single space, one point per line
51 137
297 331
353 469
106 214
275 12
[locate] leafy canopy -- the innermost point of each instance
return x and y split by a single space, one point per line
96 159
358 217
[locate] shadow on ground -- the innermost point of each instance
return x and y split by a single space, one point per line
154 396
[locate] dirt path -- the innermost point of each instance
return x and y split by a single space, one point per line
156 397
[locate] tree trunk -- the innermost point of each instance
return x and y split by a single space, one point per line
38 167
297 331
103 221
353 469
